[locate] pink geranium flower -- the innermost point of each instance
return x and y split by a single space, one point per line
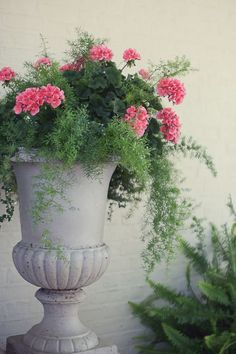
67 67
137 118
144 73
52 95
100 53
172 88
42 61
131 54
29 101
76 66
170 124
6 74
32 98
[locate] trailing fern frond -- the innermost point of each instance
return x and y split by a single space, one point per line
189 147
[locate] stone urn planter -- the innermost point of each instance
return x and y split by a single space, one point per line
78 231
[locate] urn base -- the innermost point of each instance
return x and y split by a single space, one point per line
60 331
15 345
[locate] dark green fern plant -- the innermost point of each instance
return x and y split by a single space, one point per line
201 320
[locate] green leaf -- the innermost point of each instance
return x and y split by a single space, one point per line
220 342
118 106
181 341
113 76
233 230
214 292
98 82
197 259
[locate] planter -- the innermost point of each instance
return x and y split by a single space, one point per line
83 258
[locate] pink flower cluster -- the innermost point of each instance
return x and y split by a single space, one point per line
42 61
67 67
131 54
172 88
100 52
52 95
170 124
77 66
6 74
32 98
137 118
29 101
144 73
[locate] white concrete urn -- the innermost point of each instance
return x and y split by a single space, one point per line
78 231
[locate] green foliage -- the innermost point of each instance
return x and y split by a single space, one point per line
180 341
79 47
189 147
214 292
196 321
48 244
99 87
50 188
221 343
88 126
67 135
139 92
199 259
180 66
166 211
133 153
6 199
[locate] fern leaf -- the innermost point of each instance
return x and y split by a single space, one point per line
220 342
219 252
197 259
214 293
148 317
163 292
216 277
188 276
188 282
181 341
230 205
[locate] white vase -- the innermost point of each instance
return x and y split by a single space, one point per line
78 233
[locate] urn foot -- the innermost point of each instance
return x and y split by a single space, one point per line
15 345
60 331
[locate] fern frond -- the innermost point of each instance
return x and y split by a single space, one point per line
219 343
180 341
230 205
198 260
219 250
163 292
214 293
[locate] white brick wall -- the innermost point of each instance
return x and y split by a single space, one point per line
205 32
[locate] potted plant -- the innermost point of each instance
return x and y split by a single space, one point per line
64 130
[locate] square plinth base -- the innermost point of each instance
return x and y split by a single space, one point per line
15 345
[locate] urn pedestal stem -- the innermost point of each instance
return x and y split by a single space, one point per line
60 331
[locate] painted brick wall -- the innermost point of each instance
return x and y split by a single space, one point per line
205 32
